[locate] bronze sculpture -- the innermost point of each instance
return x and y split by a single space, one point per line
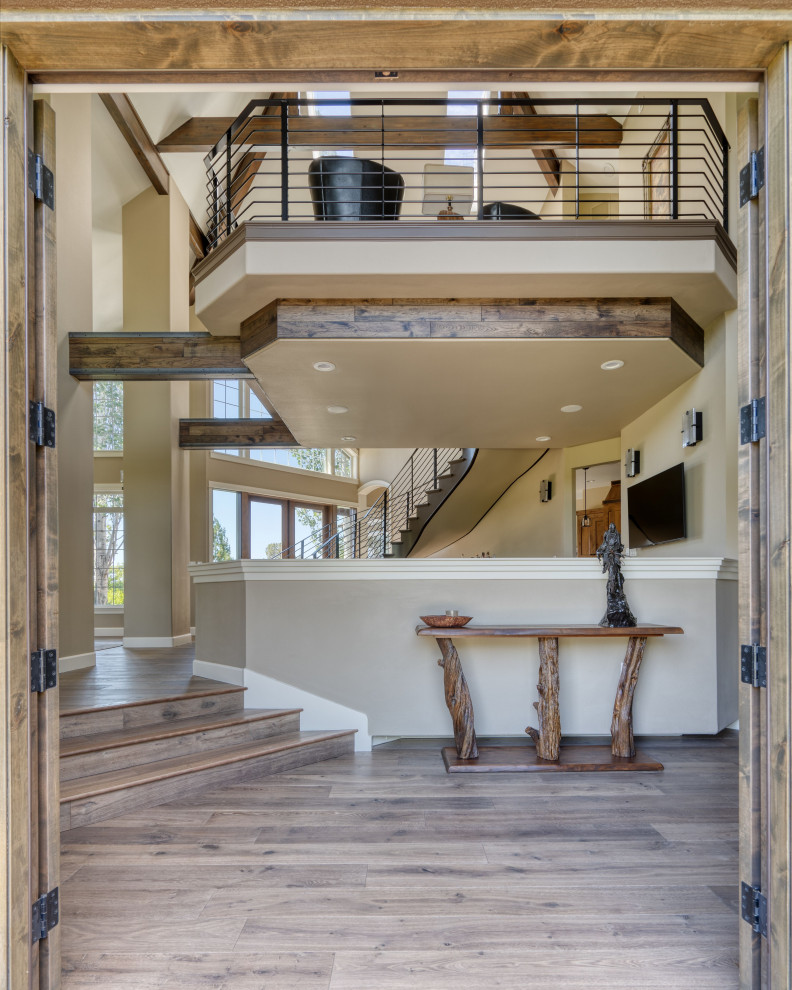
609 554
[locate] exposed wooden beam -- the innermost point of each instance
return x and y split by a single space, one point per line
198 242
547 160
200 134
650 41
126 118
154 357
207 434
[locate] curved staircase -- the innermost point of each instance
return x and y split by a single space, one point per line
140 753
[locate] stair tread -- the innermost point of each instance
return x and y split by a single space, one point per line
186 696
115 780
117 738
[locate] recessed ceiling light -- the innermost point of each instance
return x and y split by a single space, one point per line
572 408
349 439
337 409
543 439
611 365
324 366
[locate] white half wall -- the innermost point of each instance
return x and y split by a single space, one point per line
344 632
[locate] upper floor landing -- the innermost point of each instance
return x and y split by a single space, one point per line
485 196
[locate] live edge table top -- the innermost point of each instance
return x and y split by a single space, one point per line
546 632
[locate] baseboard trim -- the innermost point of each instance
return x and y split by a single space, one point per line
108 631
78 661
155 642
219 672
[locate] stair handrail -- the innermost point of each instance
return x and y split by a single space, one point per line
372 534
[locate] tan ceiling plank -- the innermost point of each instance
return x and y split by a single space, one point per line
206 434
154 357
399 44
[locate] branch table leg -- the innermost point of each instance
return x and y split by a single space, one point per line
548 736
457 698
622 742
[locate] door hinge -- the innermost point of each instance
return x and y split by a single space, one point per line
754 908
753 665
41 181
43 670
45 915
753 421
752 176
42 425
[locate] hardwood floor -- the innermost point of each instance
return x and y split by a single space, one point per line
123 675
381 872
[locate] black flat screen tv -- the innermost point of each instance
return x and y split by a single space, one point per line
656 508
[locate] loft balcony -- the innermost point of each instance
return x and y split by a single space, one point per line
462 198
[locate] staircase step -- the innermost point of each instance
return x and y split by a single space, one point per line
105 795
100 752
212 701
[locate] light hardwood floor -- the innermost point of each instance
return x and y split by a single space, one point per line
381 872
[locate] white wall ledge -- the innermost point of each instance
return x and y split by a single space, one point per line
465 568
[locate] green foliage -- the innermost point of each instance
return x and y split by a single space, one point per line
221 547
115 593
310 458
108 416
273 550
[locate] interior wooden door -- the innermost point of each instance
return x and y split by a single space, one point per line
30 948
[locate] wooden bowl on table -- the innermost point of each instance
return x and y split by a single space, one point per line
446 621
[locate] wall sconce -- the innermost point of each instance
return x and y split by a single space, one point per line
545 491
632 463
691 428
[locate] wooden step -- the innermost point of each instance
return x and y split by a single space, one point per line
95 798
90 721
81 756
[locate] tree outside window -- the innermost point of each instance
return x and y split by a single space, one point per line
108 527
108 416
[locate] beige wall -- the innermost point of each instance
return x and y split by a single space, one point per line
710 466
520 525
75 404
156 493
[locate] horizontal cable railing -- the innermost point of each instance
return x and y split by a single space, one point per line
450 159
373 534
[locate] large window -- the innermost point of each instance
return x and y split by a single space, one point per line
259 527
233 399
108 529
108 416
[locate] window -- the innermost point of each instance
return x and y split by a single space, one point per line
108 528
225 525
462 156
233 399
341 110
108 416
262 527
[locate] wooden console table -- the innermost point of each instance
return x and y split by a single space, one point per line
549 755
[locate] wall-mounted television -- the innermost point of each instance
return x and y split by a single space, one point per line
656 508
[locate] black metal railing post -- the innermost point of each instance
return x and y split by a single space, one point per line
302 549
411 493
213 226
284 108
480 159
228 183
434 468
384 520
725 181
673 136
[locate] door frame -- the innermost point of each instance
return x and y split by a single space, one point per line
766 472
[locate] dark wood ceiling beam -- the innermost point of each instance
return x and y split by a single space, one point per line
208 434
134 132
126 118
154 357
548 161
200 134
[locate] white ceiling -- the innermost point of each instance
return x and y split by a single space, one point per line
466 393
